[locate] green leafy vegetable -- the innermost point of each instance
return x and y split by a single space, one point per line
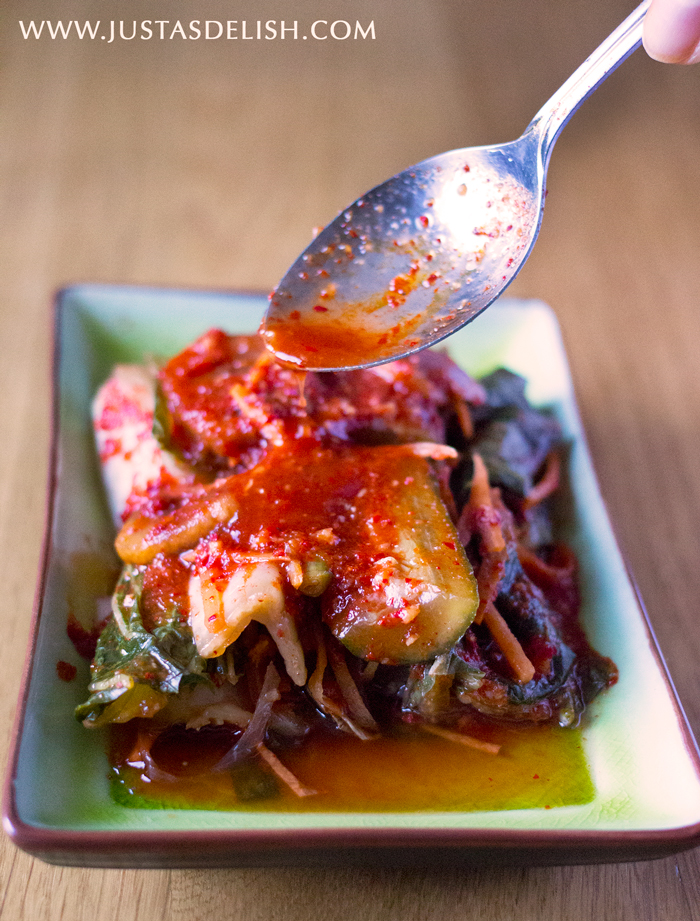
428 686
134 671
163 424
504 390
512 438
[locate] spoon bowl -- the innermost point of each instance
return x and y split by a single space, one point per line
422 254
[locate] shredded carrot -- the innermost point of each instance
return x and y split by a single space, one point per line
489 575
485 516
548 483
315 683
284 774
460 737
349 690
370 670
480 493
464 417
522 667
550 573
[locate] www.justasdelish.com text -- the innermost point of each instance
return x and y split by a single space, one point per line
207 30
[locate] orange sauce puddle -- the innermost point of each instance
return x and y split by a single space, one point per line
342 333
343 338
406 771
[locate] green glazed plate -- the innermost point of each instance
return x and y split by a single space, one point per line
642 757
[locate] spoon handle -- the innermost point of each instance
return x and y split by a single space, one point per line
556 112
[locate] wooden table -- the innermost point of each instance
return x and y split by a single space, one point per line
207 163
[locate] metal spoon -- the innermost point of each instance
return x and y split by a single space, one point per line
424 253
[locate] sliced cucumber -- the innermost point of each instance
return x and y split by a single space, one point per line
411 593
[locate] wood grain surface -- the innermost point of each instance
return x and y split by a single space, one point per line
206 164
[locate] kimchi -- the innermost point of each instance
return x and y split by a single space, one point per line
331 552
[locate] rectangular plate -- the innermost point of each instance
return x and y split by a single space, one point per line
642 756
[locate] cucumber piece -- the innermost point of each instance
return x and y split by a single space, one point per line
411 594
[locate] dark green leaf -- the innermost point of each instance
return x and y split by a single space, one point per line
128 655
514 449
504 390
512 437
